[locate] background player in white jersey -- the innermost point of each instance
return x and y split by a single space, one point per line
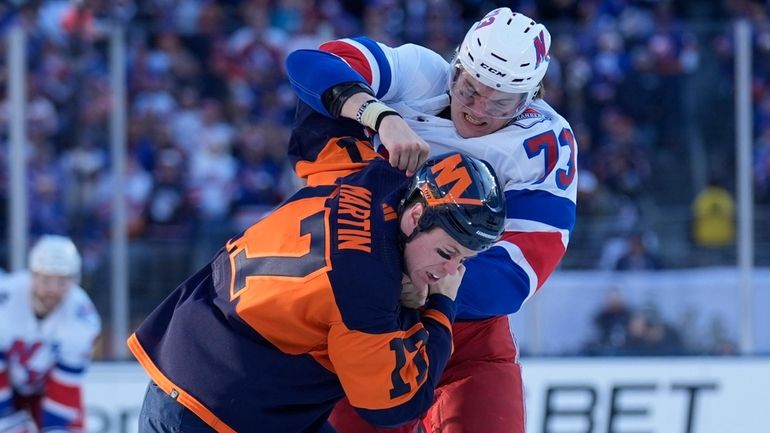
48 326
486 102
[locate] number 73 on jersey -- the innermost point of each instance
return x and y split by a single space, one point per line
549 145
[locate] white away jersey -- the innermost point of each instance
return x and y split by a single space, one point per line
45 357
534 158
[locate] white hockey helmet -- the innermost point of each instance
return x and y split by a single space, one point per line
506 51
55 255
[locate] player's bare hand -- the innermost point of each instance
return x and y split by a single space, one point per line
406 149
448 285
412 296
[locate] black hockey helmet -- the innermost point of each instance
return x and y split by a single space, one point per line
462 196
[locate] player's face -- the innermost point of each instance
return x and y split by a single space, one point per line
48 291
433 255
479 110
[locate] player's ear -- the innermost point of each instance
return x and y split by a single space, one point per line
411 217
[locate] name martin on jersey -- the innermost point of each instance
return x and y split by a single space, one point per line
354 219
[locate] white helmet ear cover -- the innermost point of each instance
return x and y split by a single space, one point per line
55 255
507 51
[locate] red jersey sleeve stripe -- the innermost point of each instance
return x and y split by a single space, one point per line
542 250
4 383
64 394
352 55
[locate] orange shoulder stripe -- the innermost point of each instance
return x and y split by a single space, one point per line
438 316
339 157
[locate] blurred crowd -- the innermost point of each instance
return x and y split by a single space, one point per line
623 329
645 84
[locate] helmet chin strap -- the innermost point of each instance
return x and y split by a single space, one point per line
426 222
405 239
423 224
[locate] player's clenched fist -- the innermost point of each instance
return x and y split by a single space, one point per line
448 285
413 296
406 149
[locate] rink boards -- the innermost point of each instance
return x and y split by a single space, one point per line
564 395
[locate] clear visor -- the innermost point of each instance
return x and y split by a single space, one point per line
481 100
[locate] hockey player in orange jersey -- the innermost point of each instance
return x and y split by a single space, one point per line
304 307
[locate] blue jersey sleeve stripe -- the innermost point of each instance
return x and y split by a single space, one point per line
69 369
541 206
52 420
382 63
493 285
6 408
327 70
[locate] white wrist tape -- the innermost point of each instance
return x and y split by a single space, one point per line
371 113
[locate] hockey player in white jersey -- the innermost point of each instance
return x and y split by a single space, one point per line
486 102
48 326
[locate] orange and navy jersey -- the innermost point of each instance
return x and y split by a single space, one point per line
322 150
302 309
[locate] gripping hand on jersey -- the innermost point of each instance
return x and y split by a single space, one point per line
411 295
406 150
448 285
